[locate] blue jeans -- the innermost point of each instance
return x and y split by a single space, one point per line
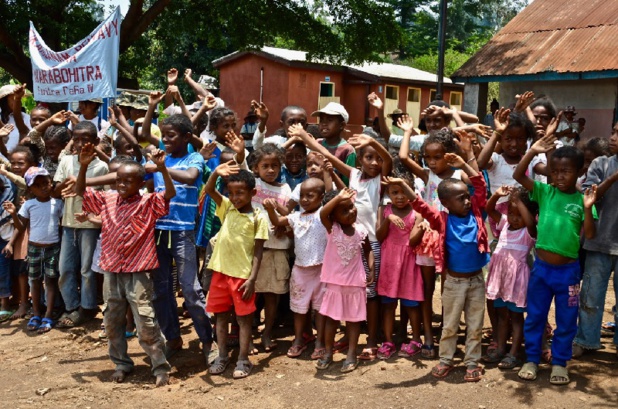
5 273
548 281
179 246
78 283
599 267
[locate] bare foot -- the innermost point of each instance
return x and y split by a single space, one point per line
20 313
119 376
162 380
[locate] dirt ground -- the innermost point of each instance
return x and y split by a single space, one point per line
70 368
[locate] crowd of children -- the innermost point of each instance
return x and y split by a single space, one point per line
335 224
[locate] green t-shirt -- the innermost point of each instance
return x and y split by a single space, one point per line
561 216
344 152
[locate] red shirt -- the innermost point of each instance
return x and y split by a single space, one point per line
127 234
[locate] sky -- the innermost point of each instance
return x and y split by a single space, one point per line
124 5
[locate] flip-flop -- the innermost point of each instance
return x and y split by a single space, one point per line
324 362
340 346
428 351
6 315
473 374
296 350
318 353
368 354
34 323
219 365
441 370
74 319
243 369
348 366
46 325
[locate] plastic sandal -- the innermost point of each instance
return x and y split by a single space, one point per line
508 362
368 354
348 366
296 350
428 351
559 375
219 365
324 362
411 349
387 350
243 369
46 325
318 353
529 371
441 370
34 323
473 374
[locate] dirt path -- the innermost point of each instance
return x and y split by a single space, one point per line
74 367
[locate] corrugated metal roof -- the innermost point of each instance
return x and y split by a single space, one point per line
561 36
384 70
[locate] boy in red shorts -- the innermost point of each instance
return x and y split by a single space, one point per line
235 262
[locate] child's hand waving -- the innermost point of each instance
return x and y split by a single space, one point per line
590 196
405 123
207 150
553 124
359 141
60 117
210 102
375 101
155 97
87 154
523 101
226 169
9 207
158 158
172 76
454 160
545 144
346 194
188 73
504 190
502 120
260 110
235 142
297 130
6 130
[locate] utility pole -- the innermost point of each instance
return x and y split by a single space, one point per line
441 45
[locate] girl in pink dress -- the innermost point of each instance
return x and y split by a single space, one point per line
400 277
509 272
343 273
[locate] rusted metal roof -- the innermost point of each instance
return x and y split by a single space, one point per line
551 36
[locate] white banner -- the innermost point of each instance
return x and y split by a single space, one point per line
87 70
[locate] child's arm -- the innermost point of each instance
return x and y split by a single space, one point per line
172 77
529 219
158 157
237 144
383 225
101 155
523 102
224 170
261 111
456 161
208 104
271 205
431 214
465 144
490 208
4 132
328 208
543 145
590 196
153 101
376 102
416 235
330 177
248 286
404 150
19 93
173 89
126 134
195 86
58 118
17 180
369 256
312 144
19 222
501 122
359 141
86 156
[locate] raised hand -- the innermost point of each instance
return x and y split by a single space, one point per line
396 220
188 73
480 129
405 123
9 207
359 141
590 196
297 130
172 76
523 101
207 150
544 145
389 180
174 92
464 140
6 130
260 110
210 102
111 117
502 120
454 160
504 190
553 124
157 156
235 142
346 194
59 117
375 101
226 169
87 154
19 92
155 97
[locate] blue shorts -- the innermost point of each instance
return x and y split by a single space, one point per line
500 303
404 302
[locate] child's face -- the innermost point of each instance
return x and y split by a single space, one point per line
398 196
125 148
345 213
613 140
82 137
371 162
542 117
434 158
589 156
435 122
514 217
315 166
128 181
311 195
227 125
88 109
564 174
240 195
268 168
295 159
293 117
331 126
20 163
53 148
175 143
458 203
41 188
514 142
37 116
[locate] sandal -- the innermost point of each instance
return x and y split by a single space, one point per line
529 371
296 350
34 323
508 362
318 353
411 349
340 346
441 370
46 325
428 351
307 339
493 345
6 315
387 350
559 375
268 344
219 365
368 354
243 369
473 373
493 356
74 319
324 362
349 366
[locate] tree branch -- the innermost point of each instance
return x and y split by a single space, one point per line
136 23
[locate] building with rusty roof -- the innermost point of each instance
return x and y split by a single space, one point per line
564 49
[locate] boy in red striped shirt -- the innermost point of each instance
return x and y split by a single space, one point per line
128 256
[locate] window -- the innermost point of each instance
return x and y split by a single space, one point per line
455 98
392 92
414 95
327 89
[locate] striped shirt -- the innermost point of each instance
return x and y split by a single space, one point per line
183 207
127 233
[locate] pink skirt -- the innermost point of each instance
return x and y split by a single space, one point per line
344 303
508 279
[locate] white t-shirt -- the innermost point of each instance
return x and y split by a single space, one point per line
500 173
44 219
259 139
95 121
12 140
310 238
281 194
367 201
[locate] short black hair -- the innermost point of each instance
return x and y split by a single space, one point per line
180 123
598 146
298 145
523 195
519 120
121 159
571 153
443 137
89 128
546 103
42 108
445 188
141 171
218 115
289 108
243 176
27 152
57 133
330 195
267 149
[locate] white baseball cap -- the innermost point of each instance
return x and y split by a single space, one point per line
333 108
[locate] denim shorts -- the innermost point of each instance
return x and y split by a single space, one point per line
404 302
